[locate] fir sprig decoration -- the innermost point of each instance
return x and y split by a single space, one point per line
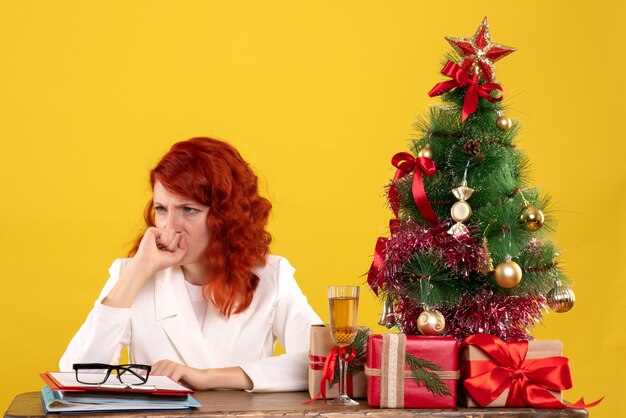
423 372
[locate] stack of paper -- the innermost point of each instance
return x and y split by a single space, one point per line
64 394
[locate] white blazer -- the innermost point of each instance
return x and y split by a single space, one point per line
161 324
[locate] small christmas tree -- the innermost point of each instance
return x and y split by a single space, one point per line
468 250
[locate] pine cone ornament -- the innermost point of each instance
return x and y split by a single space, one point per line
472 147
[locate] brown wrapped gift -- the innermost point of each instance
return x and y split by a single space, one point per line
321 343
536 349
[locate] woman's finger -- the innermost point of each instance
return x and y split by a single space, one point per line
165 239
178 373
162 237
157 368
164 367
171 369
173 246
182 244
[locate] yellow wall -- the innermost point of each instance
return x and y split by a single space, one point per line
317 95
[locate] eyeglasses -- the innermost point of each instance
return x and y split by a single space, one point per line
98 373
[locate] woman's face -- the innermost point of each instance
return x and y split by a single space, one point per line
185 216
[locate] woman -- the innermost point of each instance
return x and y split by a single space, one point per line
200 299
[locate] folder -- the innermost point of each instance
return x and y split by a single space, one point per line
156 385
93 402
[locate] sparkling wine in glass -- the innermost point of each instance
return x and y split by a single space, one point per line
343 302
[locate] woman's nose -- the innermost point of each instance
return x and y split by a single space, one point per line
173 221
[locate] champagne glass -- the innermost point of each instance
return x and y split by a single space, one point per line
343 302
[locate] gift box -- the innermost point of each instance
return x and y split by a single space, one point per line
516 374
321 345
411 372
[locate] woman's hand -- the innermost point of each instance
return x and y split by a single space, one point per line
203 379
161 248
158 250
196 379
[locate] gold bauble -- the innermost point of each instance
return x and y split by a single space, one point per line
561 298
461 211
504 123
532 218
508 274
425 152
431 322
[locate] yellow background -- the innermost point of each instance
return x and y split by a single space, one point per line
317 95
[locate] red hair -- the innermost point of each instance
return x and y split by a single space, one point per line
213 173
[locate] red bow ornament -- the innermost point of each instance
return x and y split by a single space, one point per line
346 353
460 78
375 276
405 163
529 381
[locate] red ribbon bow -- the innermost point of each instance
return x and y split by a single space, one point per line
405 163
375 276
529 380
461 78
346 354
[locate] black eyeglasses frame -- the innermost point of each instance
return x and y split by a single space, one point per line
121 369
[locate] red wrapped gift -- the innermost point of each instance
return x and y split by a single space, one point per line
516 374
411 372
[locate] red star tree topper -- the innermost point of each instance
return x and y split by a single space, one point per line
479 53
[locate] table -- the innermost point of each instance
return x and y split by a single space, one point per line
291 405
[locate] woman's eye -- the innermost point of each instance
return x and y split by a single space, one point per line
159 209
190 210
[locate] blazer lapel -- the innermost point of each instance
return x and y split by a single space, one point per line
174 311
